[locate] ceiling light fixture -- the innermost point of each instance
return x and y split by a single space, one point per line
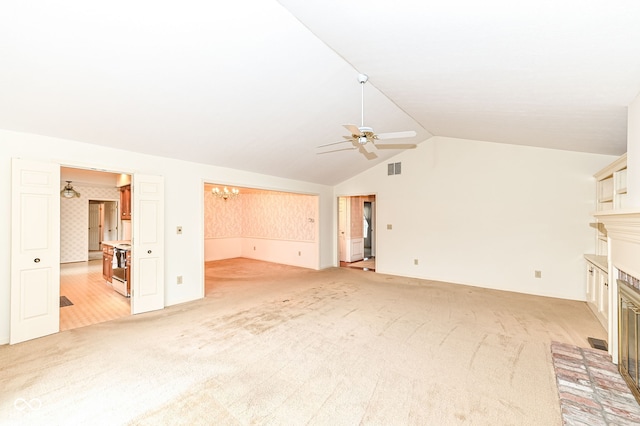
225 194
68 191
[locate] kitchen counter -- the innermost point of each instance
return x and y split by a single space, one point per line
121 244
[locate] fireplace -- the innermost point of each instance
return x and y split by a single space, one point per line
629 331
623 241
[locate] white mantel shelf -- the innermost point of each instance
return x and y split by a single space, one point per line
621 224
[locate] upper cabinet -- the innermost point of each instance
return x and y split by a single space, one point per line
125 202
611 185
611 194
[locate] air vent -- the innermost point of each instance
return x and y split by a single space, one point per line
394 169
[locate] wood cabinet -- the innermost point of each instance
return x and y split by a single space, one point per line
107 262
125 202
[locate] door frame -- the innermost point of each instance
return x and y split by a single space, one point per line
374 207
56 213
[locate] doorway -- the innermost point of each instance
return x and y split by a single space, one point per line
356 232
38 218
86 222
103 225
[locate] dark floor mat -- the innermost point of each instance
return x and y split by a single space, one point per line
65 302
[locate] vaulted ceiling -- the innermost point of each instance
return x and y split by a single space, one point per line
258 84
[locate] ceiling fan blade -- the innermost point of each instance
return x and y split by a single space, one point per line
368 155
395 145
334 143
337 150
352 128
397 135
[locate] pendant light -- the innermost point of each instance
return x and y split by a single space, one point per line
69 192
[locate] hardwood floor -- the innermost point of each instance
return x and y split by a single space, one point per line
93 299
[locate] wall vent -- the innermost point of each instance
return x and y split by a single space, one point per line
394 169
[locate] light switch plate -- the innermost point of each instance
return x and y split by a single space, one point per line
179 230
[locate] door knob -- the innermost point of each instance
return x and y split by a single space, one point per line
36 260
149 251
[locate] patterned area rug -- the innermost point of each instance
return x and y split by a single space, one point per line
65 302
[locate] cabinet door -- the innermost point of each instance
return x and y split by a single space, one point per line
105 266
125 202
591 282
603 306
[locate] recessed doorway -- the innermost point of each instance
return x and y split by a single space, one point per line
356 232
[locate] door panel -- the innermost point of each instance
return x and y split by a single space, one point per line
35 250
342 229
94 227
147 287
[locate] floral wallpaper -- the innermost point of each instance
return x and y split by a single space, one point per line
74 221
262 214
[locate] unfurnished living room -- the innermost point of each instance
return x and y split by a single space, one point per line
304 212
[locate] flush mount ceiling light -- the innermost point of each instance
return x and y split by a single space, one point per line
69 192
225 194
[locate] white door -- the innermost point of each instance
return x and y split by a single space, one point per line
147 275
373 229
110 221
95 229
35 250
342 229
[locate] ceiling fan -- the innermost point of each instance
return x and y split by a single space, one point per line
360 136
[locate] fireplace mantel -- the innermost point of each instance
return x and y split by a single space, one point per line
621 224
623 235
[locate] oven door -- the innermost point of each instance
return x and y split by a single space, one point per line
119 272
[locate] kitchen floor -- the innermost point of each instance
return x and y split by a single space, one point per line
93 300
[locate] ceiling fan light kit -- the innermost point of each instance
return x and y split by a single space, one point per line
360 136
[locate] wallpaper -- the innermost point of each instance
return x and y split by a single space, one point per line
74 221
262 214
356 214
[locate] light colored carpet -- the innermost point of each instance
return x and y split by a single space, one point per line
284 345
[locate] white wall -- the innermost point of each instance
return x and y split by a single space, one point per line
485 214
633 154
183 205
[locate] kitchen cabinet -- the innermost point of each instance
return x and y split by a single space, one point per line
107 262
125 202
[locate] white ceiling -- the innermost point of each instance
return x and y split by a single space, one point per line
258 84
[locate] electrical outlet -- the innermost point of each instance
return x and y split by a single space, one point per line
179 279
538 274
389 226
254 248
299 253
415 261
